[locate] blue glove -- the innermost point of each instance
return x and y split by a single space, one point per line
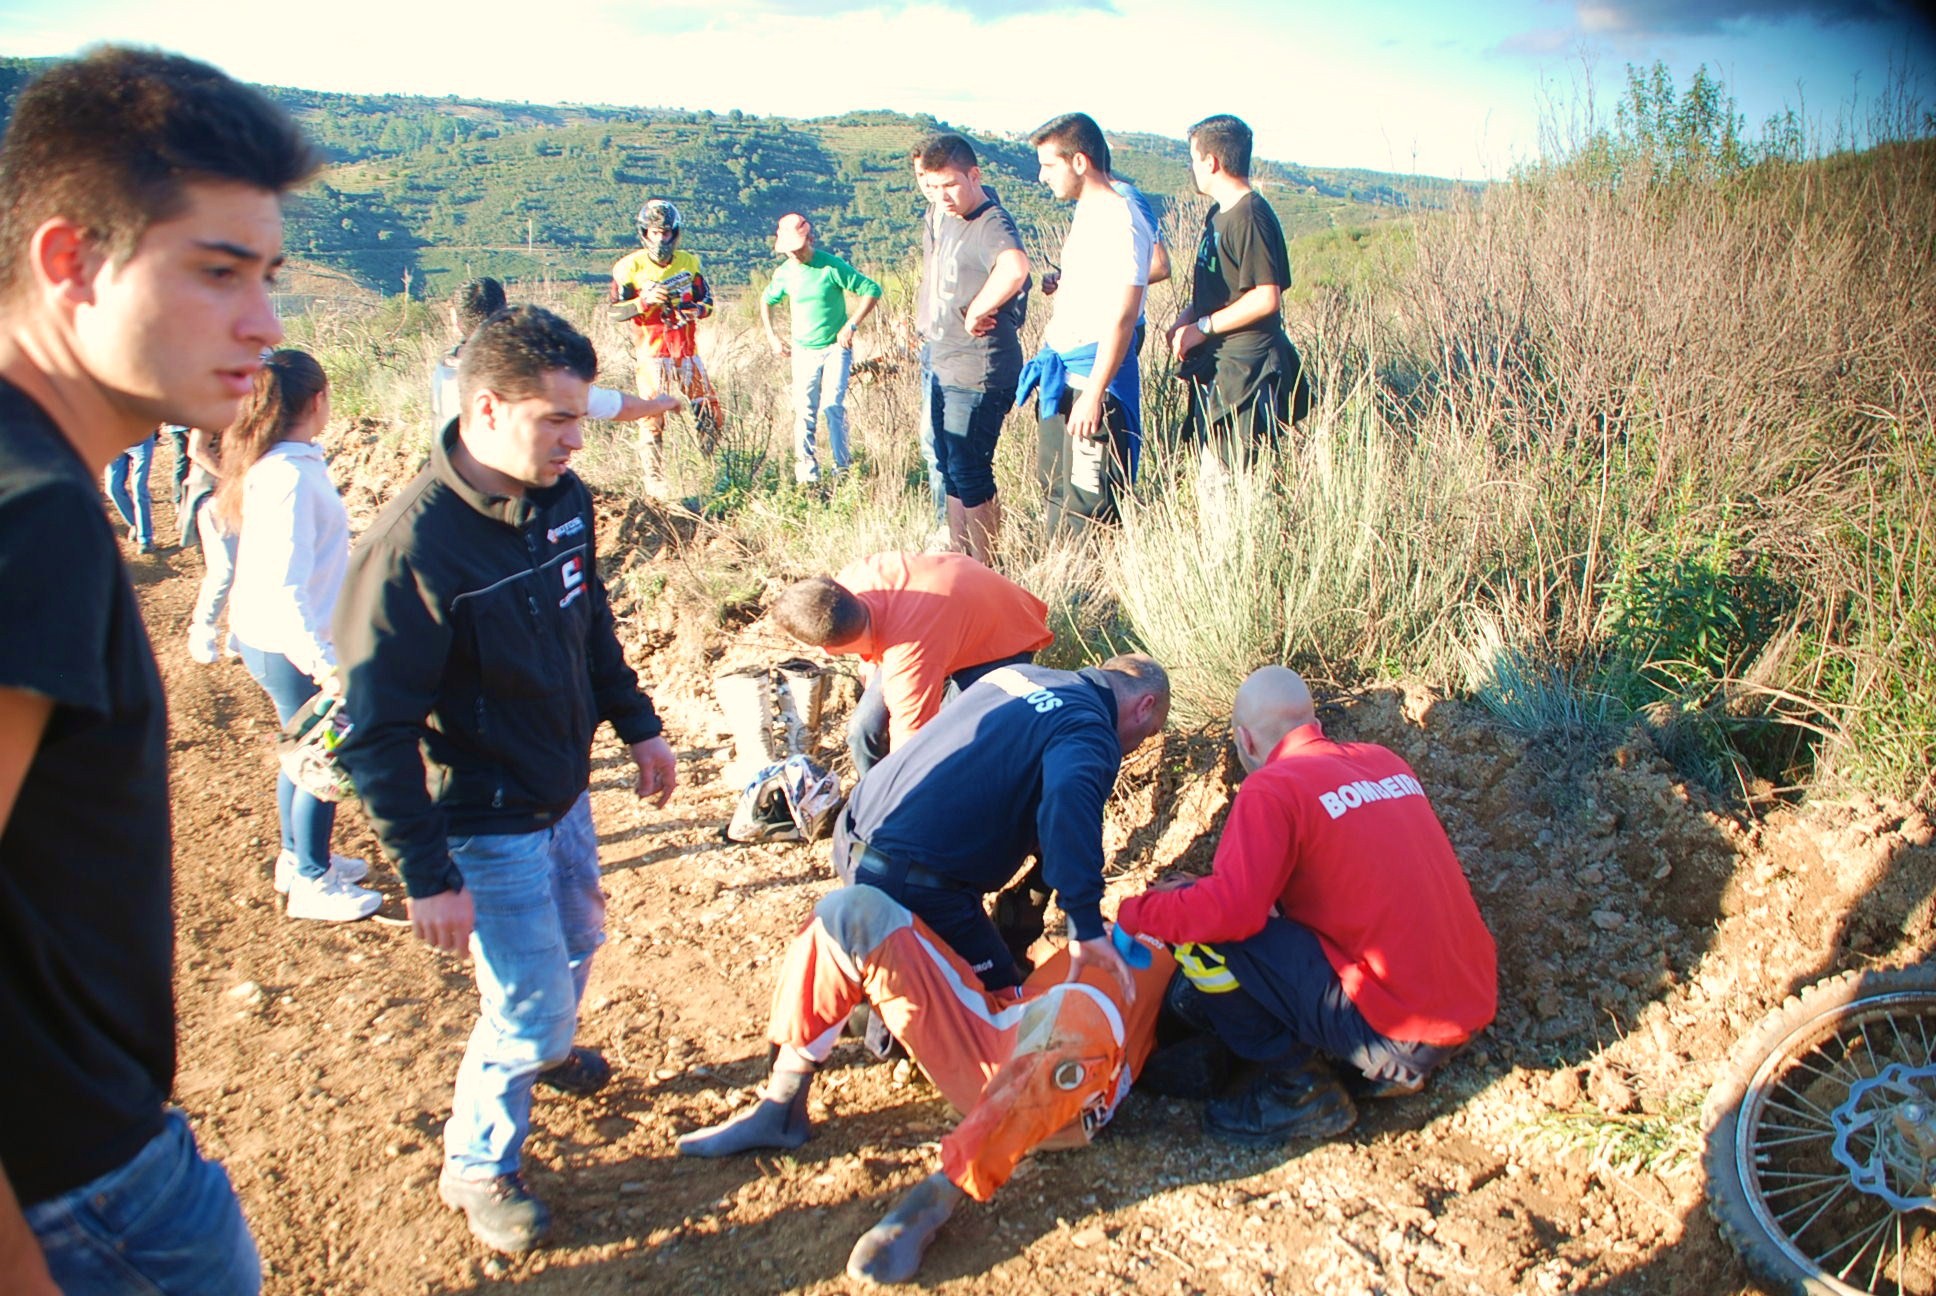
1133 951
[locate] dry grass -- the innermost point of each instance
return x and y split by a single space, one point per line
1656 368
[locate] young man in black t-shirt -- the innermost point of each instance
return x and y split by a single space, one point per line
140 221
1245 379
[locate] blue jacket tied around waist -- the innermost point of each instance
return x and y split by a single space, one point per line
1050 371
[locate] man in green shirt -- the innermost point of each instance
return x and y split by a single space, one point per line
818 284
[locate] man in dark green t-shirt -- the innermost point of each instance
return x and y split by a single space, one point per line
817 285
1245 378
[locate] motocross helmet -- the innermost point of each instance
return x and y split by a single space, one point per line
658 214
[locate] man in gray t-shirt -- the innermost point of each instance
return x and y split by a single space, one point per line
976 278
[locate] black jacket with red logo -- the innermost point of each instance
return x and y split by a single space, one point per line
478 655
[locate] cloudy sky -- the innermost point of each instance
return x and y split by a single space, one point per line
1454 89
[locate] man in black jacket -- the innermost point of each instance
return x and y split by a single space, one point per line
477 645
1020 764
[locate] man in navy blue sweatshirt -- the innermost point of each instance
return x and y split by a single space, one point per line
1018 765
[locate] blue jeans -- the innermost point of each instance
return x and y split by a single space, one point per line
937 484
138 512
166 1222
820 389
967 427
306 822
178 435
1289 1003
540 917
218 557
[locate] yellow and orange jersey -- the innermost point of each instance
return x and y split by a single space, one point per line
666 331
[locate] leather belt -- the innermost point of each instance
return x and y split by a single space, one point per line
876 869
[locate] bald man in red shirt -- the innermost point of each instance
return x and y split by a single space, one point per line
1336 921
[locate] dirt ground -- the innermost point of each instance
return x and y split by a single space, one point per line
1639 932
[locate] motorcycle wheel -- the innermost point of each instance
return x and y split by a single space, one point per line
1820 1147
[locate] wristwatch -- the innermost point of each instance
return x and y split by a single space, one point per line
1205 327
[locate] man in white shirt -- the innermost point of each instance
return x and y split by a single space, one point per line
1090 403
476 302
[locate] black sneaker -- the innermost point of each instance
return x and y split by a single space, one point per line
582 1074
865 1025
1280 1105
503 1215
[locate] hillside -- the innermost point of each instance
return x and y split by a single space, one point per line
441 189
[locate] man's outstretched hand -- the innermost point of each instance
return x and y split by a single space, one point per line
1101 953
658 770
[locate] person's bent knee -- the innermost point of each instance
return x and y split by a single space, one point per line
859 917
972 493
969 473
867 741
1064 1011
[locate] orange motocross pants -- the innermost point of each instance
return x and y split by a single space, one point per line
687 377
1046 1069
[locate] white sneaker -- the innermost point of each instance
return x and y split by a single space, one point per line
202 645
347 867
331 899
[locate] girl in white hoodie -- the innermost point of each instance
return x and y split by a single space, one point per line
292 550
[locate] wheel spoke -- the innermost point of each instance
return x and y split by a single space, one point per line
1901 1048
1813 1136
1823 1113
1875 1277
1867 1236
1789 1190
1803 1176
1826 1200
1835 1070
